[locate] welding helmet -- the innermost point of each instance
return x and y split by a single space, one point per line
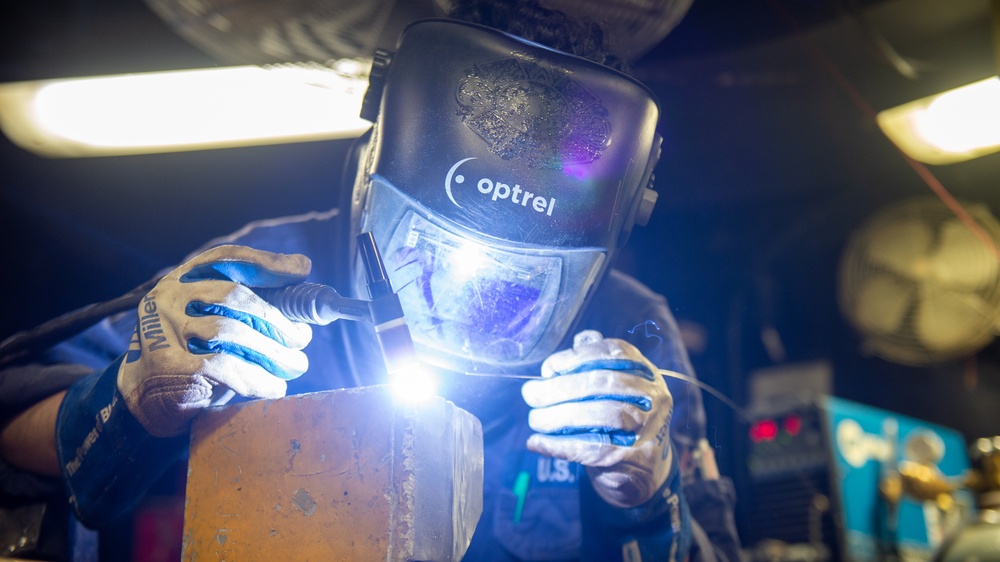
498 180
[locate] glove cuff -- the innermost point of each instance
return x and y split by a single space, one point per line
106 457
660 525
666 499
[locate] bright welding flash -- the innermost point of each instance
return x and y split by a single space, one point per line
414 385
411 380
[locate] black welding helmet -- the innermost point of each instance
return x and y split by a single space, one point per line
499 179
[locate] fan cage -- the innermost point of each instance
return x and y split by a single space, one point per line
857 268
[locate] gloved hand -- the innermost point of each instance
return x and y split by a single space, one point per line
202 330
604 405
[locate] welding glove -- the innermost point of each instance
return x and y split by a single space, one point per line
604 405
200 329
203 331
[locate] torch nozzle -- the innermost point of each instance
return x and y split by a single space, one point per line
321 304
386 311
315 304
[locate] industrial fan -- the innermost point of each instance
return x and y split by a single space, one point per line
920 285
265 32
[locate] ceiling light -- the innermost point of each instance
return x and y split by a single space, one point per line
185 110
949 127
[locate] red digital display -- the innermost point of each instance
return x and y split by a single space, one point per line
763 430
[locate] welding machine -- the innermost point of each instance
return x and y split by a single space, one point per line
822 478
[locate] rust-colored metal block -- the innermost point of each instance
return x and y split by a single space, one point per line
344 475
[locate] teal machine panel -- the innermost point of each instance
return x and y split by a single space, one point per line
867 444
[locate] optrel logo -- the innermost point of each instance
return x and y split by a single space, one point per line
498 190
859 447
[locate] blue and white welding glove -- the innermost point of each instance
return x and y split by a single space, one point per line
202 331
604 405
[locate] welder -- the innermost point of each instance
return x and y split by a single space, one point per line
500 179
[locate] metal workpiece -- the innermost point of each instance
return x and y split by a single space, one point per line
443 457
338 475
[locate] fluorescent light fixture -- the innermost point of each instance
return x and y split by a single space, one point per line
185 110
949 127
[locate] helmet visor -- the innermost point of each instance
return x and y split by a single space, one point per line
469 299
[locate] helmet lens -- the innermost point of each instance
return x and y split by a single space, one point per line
479 299
505 305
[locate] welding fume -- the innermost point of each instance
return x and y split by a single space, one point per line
509 159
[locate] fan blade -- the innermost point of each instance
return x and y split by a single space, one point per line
633 28
881 304
244 32
901 246
948 320
963 260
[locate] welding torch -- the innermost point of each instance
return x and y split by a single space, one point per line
321 304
